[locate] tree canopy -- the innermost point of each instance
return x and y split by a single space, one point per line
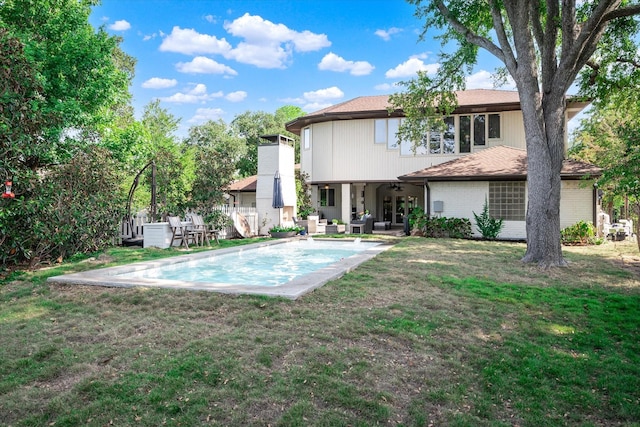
543 46
610 138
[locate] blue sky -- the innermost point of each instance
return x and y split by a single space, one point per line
216 59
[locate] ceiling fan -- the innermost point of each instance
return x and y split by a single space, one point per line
396 187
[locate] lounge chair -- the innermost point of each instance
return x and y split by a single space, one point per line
181 232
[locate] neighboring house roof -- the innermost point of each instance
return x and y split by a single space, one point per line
495 163
245 184
248 184
469 101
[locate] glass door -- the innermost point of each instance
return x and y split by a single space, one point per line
387 209
400 209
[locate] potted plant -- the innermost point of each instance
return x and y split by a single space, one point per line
337 226
279 231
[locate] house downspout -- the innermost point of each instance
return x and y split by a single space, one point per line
427 198
596 203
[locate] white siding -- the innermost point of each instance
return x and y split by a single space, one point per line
462 199
576 202
345 151
512 131
322 152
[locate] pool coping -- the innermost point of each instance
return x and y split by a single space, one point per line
292 289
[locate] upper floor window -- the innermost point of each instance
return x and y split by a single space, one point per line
386 132
442 139
307 138
485 126
457 135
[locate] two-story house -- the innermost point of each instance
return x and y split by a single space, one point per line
355 163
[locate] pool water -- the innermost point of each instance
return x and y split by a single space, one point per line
277 268
272 265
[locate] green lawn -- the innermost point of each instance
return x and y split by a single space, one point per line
431 332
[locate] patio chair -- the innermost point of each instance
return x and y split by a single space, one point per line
181 232
204 230
363 226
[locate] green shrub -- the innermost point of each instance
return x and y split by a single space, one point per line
417 218
76 207
458 228
488 226
218 220
580 233
282 229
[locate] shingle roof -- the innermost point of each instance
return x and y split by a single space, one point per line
495 163
466 98
249 183
469 101
245 184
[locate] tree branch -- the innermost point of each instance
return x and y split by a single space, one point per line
509 58
622 12
469 35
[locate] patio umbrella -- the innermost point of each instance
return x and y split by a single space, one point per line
277 202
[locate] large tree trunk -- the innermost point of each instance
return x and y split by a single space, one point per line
544 128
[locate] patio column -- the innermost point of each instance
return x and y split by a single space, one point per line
345 203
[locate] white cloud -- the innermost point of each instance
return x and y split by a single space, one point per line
190 42
148 37
256 30
211 19
333 62
204 65
262 56
269 45
315 106
206 114
410 68
236 96
479 80
485 80
264 44
121 25
159 83
324 95
198 94
386 34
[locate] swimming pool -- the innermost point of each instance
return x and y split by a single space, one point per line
288 268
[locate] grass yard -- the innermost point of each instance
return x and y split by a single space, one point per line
431 332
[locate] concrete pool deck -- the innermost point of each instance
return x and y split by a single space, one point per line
293 289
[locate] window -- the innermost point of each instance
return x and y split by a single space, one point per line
327 197
479 129
380 131
507 200
494 126
307 138
392 130
442 140
473 129
448 136
385 131
465 134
